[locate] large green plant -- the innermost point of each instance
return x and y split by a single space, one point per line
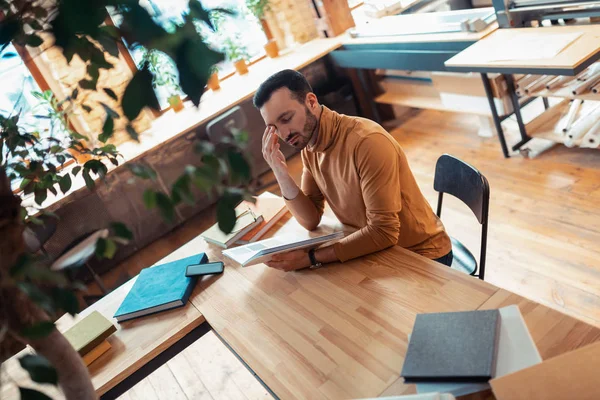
31 296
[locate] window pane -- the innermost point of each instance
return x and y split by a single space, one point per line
16 97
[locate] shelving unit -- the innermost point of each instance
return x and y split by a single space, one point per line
570 61
544 125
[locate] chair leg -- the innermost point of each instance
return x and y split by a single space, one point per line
97 278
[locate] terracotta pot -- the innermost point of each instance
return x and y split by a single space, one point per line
175 102
271 48
213 81
241 66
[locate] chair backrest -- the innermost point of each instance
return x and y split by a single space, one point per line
225 124
456 177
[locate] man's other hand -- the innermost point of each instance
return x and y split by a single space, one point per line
290 261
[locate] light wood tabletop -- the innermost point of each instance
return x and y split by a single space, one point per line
134 344
342 331
337 332
479 57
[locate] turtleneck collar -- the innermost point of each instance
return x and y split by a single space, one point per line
326 132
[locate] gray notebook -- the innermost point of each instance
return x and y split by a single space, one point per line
453 347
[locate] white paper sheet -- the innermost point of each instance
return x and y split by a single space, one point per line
531 46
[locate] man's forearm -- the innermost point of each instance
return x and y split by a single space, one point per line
289 189
301 207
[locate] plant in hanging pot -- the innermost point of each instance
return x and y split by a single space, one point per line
213 80
164 77
258 8
237 53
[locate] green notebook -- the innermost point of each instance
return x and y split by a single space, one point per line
88 333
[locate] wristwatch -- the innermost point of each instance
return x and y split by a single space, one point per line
313 260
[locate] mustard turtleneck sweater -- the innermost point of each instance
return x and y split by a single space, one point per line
362 173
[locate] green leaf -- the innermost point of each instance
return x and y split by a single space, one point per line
108 42
226 216
32 394
194 59
34 41
109 110
65 183
97 167
76 170
111 249
9 28
149 198
142 171
111 93
65 300
89 182
24 183
40 195
166 207
240 169
100 247
38 330
39 368
181 190
23 261
107 129
139 94
132 132
121 230
114 161
75 93
87 84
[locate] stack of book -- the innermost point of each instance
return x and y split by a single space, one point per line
253 221
89 336
460 352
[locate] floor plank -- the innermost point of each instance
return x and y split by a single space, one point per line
544 220
205 370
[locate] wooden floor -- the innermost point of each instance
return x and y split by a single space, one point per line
205 370
544 235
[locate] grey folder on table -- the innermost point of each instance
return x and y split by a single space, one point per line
452 347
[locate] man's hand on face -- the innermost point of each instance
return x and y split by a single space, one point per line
290 261
272 152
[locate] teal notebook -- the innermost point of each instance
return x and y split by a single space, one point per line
159 288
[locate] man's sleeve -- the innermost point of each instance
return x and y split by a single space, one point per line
377 163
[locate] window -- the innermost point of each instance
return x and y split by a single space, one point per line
242 27
21 95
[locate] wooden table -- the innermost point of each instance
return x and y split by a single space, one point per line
342 331
570 61
337 332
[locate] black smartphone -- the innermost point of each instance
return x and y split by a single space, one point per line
204 269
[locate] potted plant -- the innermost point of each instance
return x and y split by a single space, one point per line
258 8
236 53
164 76
213 79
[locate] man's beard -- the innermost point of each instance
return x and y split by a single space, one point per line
309 129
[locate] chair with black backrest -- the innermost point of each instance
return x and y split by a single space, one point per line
465 182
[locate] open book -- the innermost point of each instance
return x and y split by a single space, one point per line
262 251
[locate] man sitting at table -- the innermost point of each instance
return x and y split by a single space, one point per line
352 163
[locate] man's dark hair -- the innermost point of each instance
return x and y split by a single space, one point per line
293 80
